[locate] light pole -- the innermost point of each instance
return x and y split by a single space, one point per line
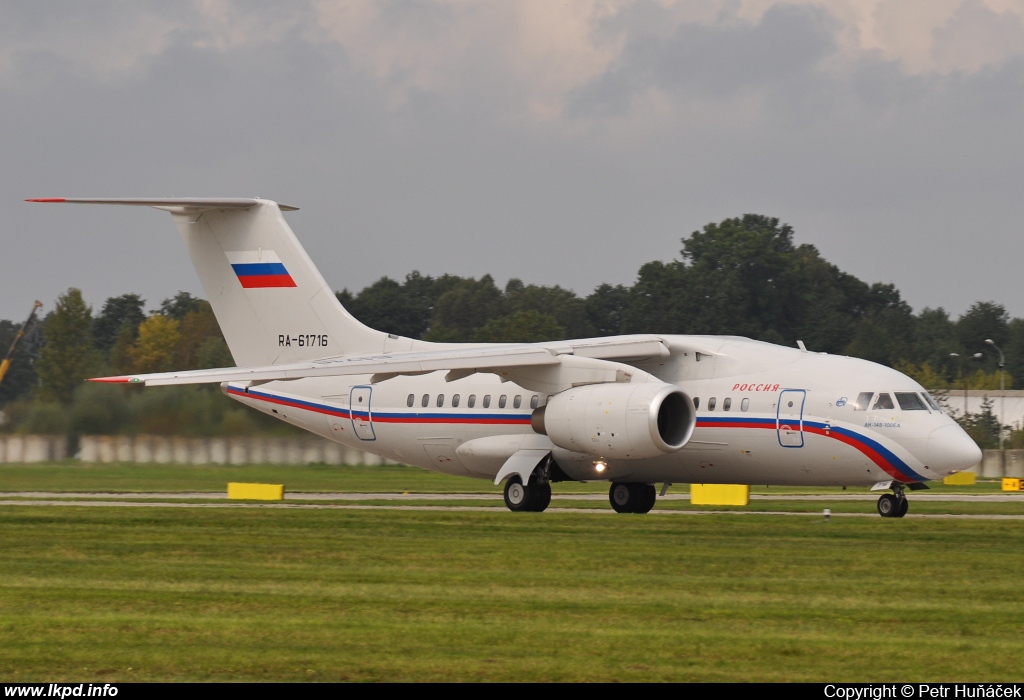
1002 389
976 356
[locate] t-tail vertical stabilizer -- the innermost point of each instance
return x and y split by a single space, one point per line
272 304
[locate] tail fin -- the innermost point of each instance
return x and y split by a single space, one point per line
270 300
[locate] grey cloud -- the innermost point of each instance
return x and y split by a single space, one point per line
976 31
713 60
895 178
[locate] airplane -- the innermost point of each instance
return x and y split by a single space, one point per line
631 410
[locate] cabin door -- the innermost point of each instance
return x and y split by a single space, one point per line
362 416
789 418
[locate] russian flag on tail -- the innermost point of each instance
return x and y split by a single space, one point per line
259 269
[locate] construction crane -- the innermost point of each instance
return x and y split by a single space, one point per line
5 365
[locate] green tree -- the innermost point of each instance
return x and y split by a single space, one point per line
392 307
214 353
527 326
180 305
196 328
462 309
117 312
606 307
984 320
156 347
568 310
934 338
68 357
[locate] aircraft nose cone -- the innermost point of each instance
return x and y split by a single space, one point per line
950 449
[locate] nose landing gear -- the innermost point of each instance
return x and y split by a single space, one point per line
894 505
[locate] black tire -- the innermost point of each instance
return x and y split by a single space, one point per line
903 508
646 496
517 496
888 506
622 497
540 496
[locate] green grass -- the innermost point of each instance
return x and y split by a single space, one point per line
255 594
269 594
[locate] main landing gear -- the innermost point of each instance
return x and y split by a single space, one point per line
894 505
531 497
632 497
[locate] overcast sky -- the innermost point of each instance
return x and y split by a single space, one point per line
558 142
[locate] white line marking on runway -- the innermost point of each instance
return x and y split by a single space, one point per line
465 509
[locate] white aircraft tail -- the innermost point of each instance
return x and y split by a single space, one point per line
272 303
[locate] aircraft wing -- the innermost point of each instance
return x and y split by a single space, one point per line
461 362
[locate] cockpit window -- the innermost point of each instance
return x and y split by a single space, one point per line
932 402
883 401
863 401
910 401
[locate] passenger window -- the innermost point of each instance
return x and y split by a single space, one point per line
411 400
711 404
863 401
426 400
455 401
472 401
727 404
517 401
884 401
696 402
440 400
534 400
909 401
487 401
744 404
502 401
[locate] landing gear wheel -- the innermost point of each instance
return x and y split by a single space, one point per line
632 497
888 506
517 496
621 497
540 496
647 495
532 498
903 508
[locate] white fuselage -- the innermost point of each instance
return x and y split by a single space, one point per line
765 415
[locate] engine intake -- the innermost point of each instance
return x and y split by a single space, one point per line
623 421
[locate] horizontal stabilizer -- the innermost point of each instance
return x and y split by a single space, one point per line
180 203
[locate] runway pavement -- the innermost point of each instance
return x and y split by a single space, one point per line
350 501
338 496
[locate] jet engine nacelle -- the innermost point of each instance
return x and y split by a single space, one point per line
618 421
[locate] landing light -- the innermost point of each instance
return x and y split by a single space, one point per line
600 467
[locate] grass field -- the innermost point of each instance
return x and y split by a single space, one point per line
109 593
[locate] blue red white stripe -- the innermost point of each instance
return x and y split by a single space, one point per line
380 417
259 269
883 457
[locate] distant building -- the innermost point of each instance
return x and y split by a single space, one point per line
1011 401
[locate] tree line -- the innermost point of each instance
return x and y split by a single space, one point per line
743 276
